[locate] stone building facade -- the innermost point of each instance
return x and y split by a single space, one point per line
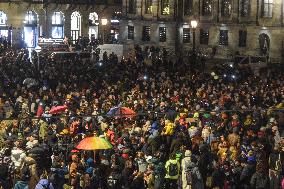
31 19
245 27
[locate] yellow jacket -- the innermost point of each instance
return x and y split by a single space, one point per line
169 129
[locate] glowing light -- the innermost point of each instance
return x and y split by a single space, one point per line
193 23
104 21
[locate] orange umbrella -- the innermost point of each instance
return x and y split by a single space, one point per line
94 143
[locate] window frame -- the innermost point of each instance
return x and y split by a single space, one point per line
224 12
204 10
131 9
162 34
164 5
4 17
269 5
187 5
186 35
245 8
204 39
130 35
223 37
146 33
148 5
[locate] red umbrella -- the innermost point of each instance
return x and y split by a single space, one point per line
57 109
126 112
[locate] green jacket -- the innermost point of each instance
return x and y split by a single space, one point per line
167 166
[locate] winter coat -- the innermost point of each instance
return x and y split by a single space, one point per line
184 167
44 183
21 185
31 163
197 180
169 129
247 173
167 166
42 129
138 183
38 155
259 181
18 156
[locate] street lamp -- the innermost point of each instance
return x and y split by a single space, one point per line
38 50
193 24
104 23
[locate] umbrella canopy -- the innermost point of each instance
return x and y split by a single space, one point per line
94 143
30 81
57 109
121 112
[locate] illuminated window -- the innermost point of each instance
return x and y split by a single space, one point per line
223 40
130 32
57 25
187 7
226 8
206 7
31 18
245 8
186 35
165 7
3 18
162 34
93 25
148 6
204 36
146 33
75 26
132 7
93 18
267 8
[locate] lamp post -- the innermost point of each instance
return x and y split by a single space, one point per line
38 50
104 23
193 24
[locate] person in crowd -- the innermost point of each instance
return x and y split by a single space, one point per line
190 129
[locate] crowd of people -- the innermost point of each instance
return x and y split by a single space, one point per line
190 130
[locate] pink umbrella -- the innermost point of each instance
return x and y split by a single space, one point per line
57 109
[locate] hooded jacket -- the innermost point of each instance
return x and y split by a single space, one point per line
18 156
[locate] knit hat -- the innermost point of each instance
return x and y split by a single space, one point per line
187 153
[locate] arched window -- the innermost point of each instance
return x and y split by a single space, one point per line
245 8
148 6
30 29
165 7
31 18
267 8
132 7
226 8
3 19
93 25
57 22
187 7
75 25
206 8
93 18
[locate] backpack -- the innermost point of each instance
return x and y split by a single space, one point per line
188 177
173 169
